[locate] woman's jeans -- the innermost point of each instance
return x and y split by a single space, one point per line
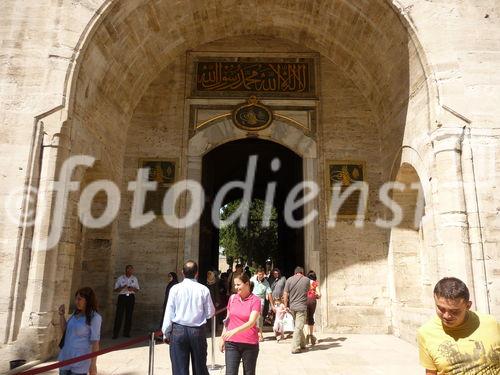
68 372
235 352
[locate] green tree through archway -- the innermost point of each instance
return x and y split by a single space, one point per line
253 243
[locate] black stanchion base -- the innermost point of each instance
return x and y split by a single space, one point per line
16 363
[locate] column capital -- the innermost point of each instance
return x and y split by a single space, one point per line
447 139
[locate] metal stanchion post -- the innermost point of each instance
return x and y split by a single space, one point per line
213 366
213 340
149 357
151 354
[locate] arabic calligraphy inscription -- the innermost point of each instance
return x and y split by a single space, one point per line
258 77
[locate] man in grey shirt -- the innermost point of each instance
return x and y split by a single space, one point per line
295 297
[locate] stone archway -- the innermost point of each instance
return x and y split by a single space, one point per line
128 45
223 131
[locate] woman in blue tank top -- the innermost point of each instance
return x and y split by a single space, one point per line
81 333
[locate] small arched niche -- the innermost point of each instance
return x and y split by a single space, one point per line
410 260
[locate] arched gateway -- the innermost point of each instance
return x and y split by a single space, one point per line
342 93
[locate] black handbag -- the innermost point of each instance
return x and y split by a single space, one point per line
61 343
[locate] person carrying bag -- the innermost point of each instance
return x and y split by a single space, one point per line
81 334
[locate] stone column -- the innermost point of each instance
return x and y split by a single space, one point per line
311 231
454 253
38 332
192 233
475 226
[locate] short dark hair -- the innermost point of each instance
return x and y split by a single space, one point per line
261 269
190 269
451 288
175 279
299 269
312 275
128 266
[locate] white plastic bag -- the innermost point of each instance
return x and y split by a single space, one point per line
288 324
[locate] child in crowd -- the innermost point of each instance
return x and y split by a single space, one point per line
280 311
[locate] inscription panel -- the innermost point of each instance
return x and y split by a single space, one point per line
264 77
344 174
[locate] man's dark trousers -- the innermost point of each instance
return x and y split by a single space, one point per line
125 305
186 342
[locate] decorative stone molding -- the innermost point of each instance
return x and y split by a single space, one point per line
225 131
447 139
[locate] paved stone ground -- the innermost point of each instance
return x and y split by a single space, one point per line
334 354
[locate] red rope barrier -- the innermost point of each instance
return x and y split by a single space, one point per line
84 357
220 310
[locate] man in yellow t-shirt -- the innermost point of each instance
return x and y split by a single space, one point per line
457 340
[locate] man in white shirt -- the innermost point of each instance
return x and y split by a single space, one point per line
188 308
261 289
126 285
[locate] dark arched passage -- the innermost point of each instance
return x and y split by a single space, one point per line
229 162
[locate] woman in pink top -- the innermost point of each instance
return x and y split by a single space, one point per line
240 338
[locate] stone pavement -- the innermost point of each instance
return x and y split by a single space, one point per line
334 354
